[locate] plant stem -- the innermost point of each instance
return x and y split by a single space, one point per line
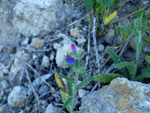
74 91
139 38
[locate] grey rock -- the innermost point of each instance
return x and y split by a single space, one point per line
38 17
4 84
17 97
120 96
81 41
38 81
51 109
43 89
37 43
109 36
45 61
1 95
74 32
101 48
25 41
8 34
118 40
17 69
56 45
62 52
4 109
82 93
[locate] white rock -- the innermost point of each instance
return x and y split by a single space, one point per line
38 17
17 69
4 84
62 52
109 36
82 93
56 45
120 96
45 61
4 109
17 97
37 43
81 41
101 48
74 32
38 81
51 109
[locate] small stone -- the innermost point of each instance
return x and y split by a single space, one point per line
74 32
43 89
9 49
51 109
4 84
17 97
109 37
45 61
82 93
81 41
4 109
101 48
51 57
25 41
56 45
38 81
61 52
37 43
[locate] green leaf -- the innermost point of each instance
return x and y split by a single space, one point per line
84 79
116 2
117 30
36 103
144 75
146 16
106 3
89 4
82 83
147 58
147 39
65 77
139 48
69 88
145 30
113 55
126 28
82 54
123 64
68 101
131 69
107 78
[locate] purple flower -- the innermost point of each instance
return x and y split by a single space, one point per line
73 47
70 60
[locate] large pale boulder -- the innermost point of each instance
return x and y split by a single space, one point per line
120 96
38 17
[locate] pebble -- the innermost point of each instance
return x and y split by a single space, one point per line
38 81
101 48
51 109
37 43
74 32
81 41
56 45
4 84
45 61
43 89
17 97
4 109
109 37
82 93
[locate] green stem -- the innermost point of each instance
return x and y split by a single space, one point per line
74 91
139 38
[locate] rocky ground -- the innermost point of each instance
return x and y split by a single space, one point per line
34 38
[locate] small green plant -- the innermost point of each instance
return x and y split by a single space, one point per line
103 7
136 28
76 64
